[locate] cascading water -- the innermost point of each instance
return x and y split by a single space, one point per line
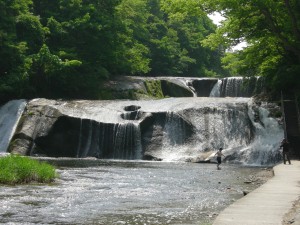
10 114
228 126
215 92
174 137
188 83
237 87
127 143
171 129
265 147
113 141
231 87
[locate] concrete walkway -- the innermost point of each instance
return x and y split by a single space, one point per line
269 203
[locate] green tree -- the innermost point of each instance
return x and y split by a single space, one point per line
45 72
134 51
271 29
12 50
31 31
85 32
71 46
192 25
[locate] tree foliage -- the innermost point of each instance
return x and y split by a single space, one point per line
66 48
271 29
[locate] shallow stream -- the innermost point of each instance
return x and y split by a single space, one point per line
130 192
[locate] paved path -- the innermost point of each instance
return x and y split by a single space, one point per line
267 204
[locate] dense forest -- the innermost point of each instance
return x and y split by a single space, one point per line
67 48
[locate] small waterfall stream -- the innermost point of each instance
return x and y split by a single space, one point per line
237 87
10 114
264 148
215 92
127 144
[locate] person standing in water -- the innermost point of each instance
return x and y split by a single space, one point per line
285 151
219 155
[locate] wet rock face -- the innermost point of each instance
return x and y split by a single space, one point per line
172 89
155 133
203 87
47 131
167 129
74 137
36 121
125 87
61 140
132 113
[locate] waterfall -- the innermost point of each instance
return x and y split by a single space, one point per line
10 114
237 87
268 133
174 136
127 143
174 130
191 133
263 146
215 92
231 86
244 130
114 141
169 129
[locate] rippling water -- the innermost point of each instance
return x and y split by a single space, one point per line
128 192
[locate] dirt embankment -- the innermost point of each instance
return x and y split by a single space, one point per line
293 215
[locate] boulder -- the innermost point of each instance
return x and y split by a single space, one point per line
36 121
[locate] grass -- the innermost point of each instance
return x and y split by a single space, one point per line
15 169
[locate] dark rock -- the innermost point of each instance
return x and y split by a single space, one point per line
132 108
248 182
151 158
245 193
174 90
203 87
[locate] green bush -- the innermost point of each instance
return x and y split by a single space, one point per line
16 169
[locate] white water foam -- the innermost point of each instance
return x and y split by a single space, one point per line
247 134
264 148
215 92
269 133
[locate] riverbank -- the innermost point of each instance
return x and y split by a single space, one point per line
293 215
275 202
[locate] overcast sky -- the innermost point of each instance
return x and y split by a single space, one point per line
217 18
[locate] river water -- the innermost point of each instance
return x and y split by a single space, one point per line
130 192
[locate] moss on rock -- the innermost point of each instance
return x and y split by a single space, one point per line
154 88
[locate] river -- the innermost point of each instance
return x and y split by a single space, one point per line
130 192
